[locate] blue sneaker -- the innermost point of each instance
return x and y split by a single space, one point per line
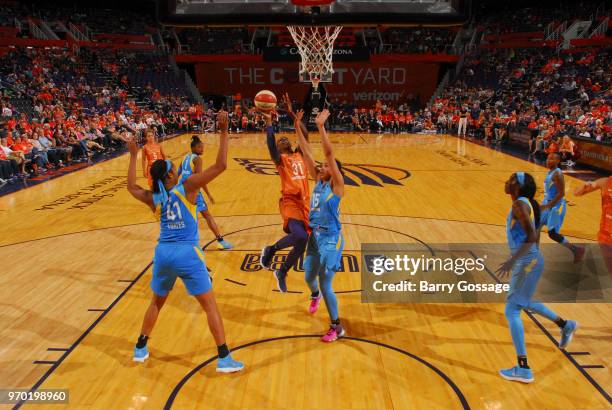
140 355
517 374
228 365
281 280
567 332
223 244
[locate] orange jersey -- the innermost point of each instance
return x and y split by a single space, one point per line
152 153
605 226
294 176
295 201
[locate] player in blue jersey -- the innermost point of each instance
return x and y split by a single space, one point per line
526 264
554 205
192 164
178 252
325 244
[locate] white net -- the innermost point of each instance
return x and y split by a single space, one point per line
316 47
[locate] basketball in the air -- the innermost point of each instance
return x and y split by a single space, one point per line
265 100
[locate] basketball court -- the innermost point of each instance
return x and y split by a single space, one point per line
79 258
78 255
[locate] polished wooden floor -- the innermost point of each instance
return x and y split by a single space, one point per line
76 253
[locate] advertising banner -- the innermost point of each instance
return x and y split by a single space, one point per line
363 84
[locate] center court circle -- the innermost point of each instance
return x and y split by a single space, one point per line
462 401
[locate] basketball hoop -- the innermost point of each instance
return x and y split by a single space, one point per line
316 47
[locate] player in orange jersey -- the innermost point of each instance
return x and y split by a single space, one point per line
294 201
151 152
605 225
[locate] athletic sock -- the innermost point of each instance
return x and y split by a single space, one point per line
142 341
315 294
223 351
336 322
560 322
219 238
522 362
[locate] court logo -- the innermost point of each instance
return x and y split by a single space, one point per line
250 263
354 174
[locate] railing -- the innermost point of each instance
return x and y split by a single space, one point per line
549 29
192 88
87 31
179 46
558 32
602 29
48 31
35 31
76 33
439 89
380 40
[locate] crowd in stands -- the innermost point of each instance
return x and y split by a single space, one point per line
553 96
74 113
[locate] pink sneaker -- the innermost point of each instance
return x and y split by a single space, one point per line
314 304
334 332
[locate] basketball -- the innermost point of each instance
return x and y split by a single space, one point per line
265 100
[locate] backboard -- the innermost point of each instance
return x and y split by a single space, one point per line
285 12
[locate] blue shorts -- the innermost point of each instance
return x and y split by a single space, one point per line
201 205
553 217
324 252
185 261
525 276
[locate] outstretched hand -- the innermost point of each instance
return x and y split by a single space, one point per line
287 102
131 143
222 120
299 116
322 117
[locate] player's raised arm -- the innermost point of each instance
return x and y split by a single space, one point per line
591 186
138 192
298 124
271 139
197 181
336 175
304 145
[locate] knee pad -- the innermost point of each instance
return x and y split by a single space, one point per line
555 236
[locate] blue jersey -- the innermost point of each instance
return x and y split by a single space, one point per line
187 167
178 217
325 208
514 231
550 188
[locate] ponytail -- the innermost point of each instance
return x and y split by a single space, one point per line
528 190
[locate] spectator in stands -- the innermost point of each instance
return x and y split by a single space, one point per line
16 156
9 169
568 151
